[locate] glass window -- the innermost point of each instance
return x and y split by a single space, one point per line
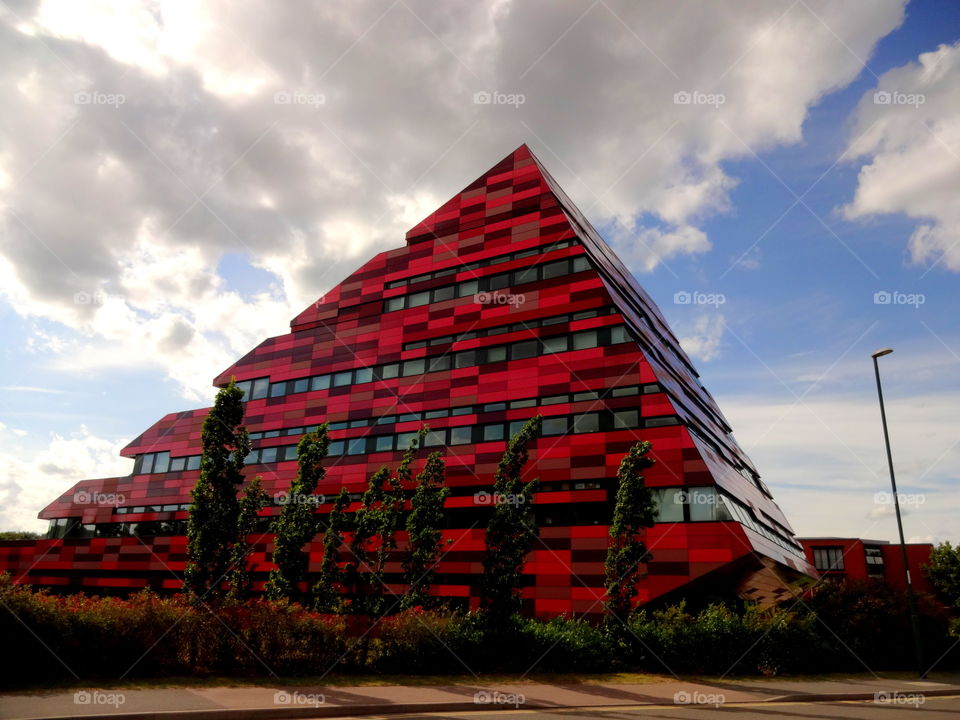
268 455
408 417
420 278
554 426
430 414
586 395
498 282
404 439
466 358
395 284
439 364
526 275
356 446
418 299
467 410
260 388
289 453
301 385
618 334
343 378
177 464
415 345
661 421
245 386
271 434
625 391
496 354
388 372
703 504
394 303
383 443
147 465
651 388
277 389
320 382
363 375
193 462
469 287
444 293
494 407
461 435
626 419
492 432
387 420
516 426
414 367
435 438
586 423
554 400
336 447
828 558
556 269
580 262
358 423
555 344
523 350
669 504
531 402
584 340
162 462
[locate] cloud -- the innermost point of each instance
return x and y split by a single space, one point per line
141 143
908 130
30 478
703 342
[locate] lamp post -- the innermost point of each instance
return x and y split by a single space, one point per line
896 505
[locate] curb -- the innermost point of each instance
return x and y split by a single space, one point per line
836 697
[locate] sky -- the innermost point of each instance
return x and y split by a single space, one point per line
178 180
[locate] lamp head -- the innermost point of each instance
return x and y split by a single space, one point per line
881 352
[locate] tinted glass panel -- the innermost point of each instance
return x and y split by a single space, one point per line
589 422
395 303
444 293
193 462
526 349
583 340
162 462
363 375
555 269
260 388
320 382
554 426
177 464
493 432
418 299
384 443
555 344
268 455
413 367
461 435
343 378
356 446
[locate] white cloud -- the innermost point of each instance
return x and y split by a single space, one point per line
704 340
30 478
908 130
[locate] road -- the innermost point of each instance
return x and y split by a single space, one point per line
932 708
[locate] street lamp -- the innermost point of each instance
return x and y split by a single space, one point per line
896 504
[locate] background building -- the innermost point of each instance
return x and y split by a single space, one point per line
858 559
502 304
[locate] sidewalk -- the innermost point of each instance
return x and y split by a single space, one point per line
261 703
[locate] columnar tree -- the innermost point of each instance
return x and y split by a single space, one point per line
634 510
511 529
240 577
212 528
326 594
423 531
297 523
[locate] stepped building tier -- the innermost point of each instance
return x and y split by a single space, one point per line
503 304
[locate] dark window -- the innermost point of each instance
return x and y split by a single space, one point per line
177 464
413 367
555 269
492 432
554 426
364 375
394 303
444 293
467 358
555 344
320 382
461 435
193 462
523 350
626 419
418 299
260 388
356 446
268 455
388 372
828 558
301 385
162 462
589 422
343 378
277 389
384 443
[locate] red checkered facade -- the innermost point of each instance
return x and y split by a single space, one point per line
502 304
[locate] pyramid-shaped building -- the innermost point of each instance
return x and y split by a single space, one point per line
503 304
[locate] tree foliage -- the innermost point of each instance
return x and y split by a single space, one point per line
943 572
326 591
213 524
511 529
240 577
424 533
633 511
297 523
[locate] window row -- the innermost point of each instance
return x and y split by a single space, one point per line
263 388
161 462
486 262
500 281
515 327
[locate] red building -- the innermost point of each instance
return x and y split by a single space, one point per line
502 304
857 559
